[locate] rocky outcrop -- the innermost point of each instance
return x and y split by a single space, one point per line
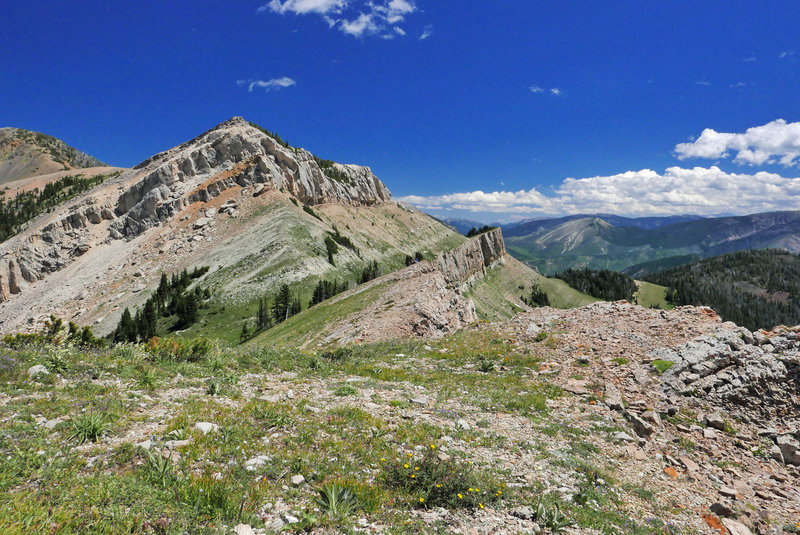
235 154
471 258
749 374
754 377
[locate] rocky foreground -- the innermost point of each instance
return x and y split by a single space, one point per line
607 419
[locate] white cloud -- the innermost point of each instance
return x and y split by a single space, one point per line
703 82
701 191
301 7
275 83
361 25
786 54
774 142
380 18
426 32
749 59
537 90
738 84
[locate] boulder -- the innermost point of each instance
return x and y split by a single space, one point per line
34 372
206 427
789 448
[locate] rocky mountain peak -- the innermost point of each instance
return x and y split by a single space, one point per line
234 157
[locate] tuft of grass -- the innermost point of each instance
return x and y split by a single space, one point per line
662 365
146 378
89 426
620 361
346 390
337 501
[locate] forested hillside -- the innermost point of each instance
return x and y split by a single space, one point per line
603 284
757 289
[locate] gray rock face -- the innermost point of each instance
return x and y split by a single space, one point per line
740 372
472 257
237 154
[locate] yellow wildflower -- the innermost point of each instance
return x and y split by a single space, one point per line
405 466
422 500
413 476
433 447
480 505
416 468
438 486
460 496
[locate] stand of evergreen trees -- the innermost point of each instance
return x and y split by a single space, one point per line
272 312
537 297
476 231
170 298
25 206
326 289
372 271
754 289
603 284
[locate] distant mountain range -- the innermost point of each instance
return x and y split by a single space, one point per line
641 245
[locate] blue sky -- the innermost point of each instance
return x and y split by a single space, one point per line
490 110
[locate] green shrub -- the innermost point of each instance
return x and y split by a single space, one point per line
431 481
178 349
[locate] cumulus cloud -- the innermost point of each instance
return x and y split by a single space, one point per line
268 85
786 54
353 17
536 89
775 142
701 191
555 91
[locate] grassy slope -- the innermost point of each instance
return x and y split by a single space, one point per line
295 254
307 327
652 295
497 296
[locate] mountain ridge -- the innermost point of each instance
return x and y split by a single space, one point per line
25 154
583 242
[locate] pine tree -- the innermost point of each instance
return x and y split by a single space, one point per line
263 319
282 305
245 334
